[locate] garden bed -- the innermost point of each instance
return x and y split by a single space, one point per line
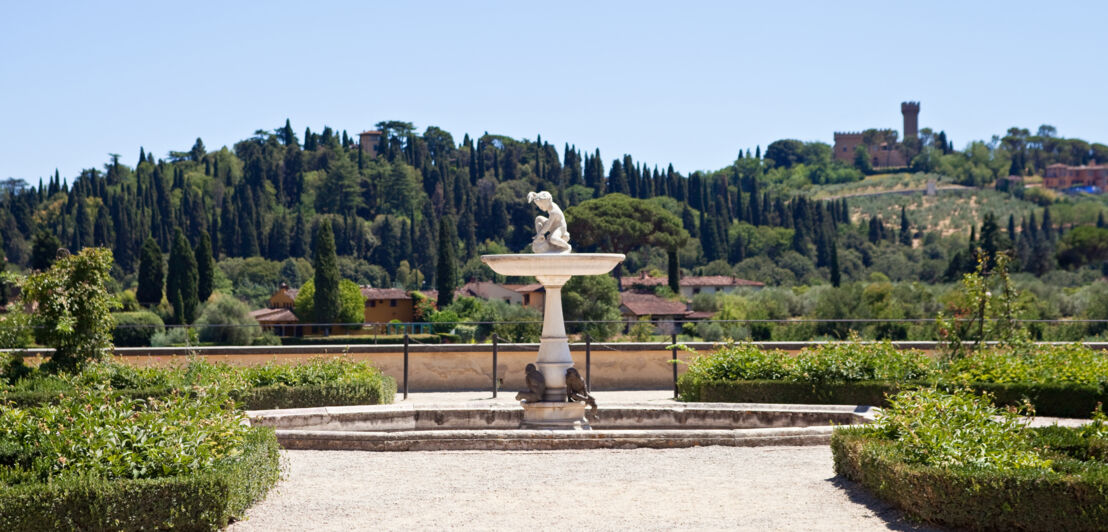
968 471
205 500
94 460
1060 381
321 382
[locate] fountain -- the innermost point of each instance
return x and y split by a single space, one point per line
551 414
552 264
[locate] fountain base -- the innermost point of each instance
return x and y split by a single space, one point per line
548 415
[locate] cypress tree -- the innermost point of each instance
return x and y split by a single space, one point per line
44 250
182 278
151 277
101 230
326 306
82 232
1048 225
1100 220
836 275
446 272
279 239
674 271
905 228
298 244
205 267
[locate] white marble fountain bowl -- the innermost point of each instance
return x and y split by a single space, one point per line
553 264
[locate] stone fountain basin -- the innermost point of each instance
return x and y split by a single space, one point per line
553 264
431 427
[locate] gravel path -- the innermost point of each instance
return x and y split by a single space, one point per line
704 488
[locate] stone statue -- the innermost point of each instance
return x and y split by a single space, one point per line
576 389
536 383
551 233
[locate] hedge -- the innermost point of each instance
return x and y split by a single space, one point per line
134 329
775 391
975 499
383 391
206 500
1056 400
379 391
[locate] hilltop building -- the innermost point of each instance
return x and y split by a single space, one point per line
1062 177
368 142
882 154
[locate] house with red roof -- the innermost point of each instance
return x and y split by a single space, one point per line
691 285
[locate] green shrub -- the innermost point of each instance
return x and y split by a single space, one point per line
1043 364
444 321
174 336
15 330
73 313
854 361
225 320
837 362
135 329
936 428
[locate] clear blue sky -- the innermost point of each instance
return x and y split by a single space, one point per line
684 82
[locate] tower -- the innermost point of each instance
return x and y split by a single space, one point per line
910 110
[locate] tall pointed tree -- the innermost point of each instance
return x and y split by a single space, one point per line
205 267
905 228
182 279
446 272
326 306
151 277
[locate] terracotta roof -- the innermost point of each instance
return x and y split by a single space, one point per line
370 132
377 294
481 289
706 280
273 315
524 288
700 315
651 305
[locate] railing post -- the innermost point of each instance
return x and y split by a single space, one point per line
673 338
405 366
588 362
494 353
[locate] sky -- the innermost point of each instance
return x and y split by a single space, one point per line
688 83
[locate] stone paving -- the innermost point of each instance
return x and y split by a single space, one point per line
700 488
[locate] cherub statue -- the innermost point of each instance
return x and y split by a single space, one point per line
536 385
551 233
576 389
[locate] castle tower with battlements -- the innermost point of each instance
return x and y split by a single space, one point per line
880 153
910 110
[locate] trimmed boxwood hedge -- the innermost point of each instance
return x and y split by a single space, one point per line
378 391
775 391
382 391
975 499
1057 400
206 500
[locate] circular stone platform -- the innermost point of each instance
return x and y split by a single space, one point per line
497 427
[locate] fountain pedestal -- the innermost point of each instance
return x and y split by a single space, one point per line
553 270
